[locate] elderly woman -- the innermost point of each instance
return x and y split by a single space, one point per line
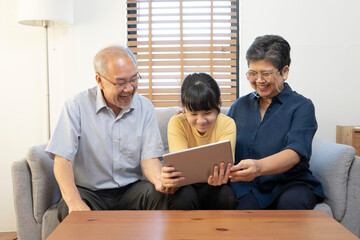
275 127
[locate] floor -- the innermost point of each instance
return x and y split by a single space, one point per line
8 236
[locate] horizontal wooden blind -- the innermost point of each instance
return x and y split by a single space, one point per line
173 38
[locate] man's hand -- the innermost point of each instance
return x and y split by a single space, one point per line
170 179
160 188
220 176
165 179
64 175
80 206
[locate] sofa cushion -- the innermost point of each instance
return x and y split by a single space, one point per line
50 221
330 164
324 207
44 186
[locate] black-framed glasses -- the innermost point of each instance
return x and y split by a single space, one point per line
121 83
252 76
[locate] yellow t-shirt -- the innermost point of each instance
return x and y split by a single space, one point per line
181 135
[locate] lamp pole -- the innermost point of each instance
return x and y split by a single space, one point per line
45 13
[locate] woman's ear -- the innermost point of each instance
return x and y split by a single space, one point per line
285 72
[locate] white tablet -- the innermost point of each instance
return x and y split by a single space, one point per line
197 164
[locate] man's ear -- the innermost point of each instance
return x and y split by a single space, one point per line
99 80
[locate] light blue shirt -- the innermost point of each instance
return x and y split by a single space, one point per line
106 151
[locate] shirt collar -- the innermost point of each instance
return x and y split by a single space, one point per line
101 103
280 97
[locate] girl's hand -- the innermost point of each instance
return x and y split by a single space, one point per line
220 176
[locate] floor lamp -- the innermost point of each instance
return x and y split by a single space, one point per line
45 13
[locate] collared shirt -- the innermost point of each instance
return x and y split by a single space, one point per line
289 123
106 150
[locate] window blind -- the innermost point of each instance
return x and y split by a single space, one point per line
173 38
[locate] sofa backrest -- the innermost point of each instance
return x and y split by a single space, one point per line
163 115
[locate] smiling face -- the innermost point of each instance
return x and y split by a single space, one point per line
267 88
202 121
118 69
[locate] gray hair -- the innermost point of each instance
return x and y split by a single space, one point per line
102 57
272 48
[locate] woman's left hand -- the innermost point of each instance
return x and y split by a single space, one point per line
245 170
220 176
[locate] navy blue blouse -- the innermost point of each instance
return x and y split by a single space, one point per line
289 123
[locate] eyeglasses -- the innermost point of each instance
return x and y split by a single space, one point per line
266 76
121 83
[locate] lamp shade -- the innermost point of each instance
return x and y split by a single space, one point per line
35 12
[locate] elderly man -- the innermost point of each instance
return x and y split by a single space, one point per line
106 138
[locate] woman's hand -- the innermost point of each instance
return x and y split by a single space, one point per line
245 170
220 176
180 111
170 179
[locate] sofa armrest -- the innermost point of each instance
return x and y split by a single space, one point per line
45 190
351 218
22 190
330 164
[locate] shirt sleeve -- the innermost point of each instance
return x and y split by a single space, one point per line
65 139
152 146
302 130
176 135
228 132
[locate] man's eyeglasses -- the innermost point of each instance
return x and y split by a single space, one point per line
266 76
121 83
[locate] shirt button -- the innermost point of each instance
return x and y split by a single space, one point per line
116 159
116 140
116 178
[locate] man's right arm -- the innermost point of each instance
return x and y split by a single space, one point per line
64 175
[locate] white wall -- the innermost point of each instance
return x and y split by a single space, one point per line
22 103
96 24
323 34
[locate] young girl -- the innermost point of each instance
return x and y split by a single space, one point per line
201 123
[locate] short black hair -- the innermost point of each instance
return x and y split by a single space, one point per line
200 92
272 48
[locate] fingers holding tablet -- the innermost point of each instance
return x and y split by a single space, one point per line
170 178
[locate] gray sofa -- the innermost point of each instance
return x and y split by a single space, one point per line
36 192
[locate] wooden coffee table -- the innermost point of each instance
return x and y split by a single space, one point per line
214 224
